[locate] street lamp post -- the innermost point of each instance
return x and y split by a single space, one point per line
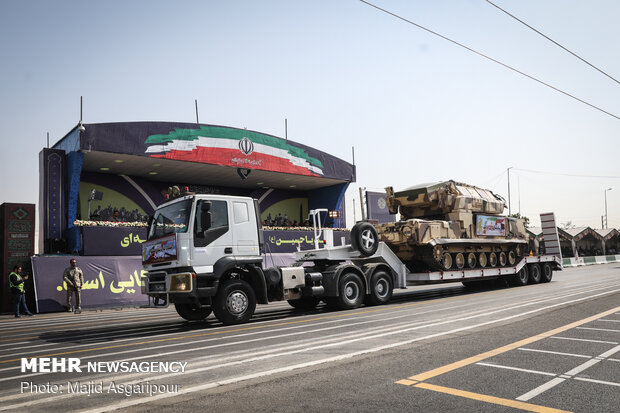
606 222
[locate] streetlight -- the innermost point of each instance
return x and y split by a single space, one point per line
608 189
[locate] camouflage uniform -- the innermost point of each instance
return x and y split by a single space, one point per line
74 277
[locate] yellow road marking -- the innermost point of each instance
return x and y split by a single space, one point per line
471 360
490 399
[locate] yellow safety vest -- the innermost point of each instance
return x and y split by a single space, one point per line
20 282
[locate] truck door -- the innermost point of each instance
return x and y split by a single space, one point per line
217 241
244 230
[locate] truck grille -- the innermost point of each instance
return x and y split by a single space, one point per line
156 282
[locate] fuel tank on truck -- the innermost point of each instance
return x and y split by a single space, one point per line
450 226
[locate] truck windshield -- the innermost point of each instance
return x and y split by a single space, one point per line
170 219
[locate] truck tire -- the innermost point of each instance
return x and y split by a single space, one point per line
381 288
305 303
351 292
521 278
235 302
364 238
546 273
191 312
535 274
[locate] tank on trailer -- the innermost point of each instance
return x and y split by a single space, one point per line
451 225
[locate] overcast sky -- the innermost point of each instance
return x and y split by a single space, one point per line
415 107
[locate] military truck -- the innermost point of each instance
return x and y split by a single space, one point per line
450 226
204 254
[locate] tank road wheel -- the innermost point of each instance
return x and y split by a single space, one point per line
512 257
446 261
459 260
305 303
364 238
546 273
191 312
502 259
535 274
235 302
482 259
471 260
381 288
492 259
520 278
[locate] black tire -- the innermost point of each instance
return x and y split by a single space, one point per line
305 303
534 274
521 278
364 238
235 302
351 292
191 312
546 273
381 288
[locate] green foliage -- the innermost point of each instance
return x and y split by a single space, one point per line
525 219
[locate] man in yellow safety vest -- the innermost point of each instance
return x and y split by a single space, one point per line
16 283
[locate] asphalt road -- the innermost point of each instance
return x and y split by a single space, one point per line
545 347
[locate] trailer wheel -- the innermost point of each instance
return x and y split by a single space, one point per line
520 278
305 303
235 302
364 238
535 274
191 312
381 288
547 272
351 292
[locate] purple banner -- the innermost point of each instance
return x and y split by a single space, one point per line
281 241
113 240
109 282
377 209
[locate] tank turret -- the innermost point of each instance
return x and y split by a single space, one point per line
452 225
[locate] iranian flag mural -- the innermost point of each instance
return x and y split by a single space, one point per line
233 147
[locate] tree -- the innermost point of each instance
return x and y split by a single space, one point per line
525 219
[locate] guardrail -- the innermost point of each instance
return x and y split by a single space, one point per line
601 259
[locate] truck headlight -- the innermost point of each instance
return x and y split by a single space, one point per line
180 282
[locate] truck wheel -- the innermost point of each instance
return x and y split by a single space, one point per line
191 312
520 278
547 272
534 271
380 288
351 290
364 238
305 303
235 302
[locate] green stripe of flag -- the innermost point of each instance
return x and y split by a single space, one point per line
229 133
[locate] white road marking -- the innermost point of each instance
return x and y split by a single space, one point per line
611 321
543 373
609 383
582 367
559 353
316 362
598 329
533 393
584 339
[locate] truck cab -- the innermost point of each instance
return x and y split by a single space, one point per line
197 242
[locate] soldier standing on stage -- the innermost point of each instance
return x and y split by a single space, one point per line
74 277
